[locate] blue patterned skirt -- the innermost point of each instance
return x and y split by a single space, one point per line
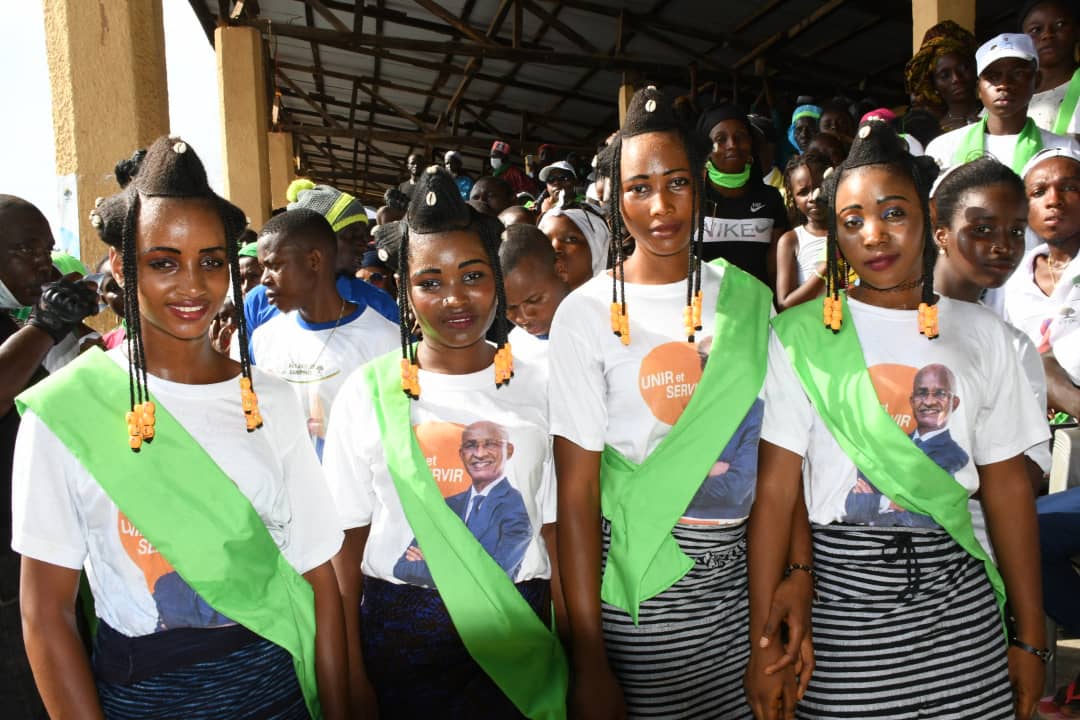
415 658
255 682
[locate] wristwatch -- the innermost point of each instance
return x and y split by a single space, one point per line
1044 654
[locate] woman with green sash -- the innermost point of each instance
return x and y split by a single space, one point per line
909 404
657 383
440 462
1051 24
195 507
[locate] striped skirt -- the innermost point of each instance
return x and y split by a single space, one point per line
905 626
256 682
687 655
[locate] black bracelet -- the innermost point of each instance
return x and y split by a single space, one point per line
809 569
1043 655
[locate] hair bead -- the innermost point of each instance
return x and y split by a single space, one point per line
928 320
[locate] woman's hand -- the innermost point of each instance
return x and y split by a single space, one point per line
595 693
791 605
772 694
1027 673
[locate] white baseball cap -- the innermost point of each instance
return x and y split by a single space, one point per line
561 165
1005 45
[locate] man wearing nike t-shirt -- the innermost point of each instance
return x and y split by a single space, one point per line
744 217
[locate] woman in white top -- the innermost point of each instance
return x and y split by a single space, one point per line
441 468
205 530
911 404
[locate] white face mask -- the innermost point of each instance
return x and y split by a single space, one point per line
7 299
496 163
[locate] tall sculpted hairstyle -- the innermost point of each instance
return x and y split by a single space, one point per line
878 144
437 207
650 111
168 169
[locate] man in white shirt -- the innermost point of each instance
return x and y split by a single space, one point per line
318 337
1008 68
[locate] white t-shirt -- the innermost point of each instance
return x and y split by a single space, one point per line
315 358
988 414
530 348
517 463
810 252
62 516
1044 106
629 396
1051 322
943 148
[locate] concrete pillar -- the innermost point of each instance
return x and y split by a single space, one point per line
925 14
109 95
244 120
282 166
630 83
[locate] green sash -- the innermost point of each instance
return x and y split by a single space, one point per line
496 624
183 503
833 372
972 145
1068 105
643 502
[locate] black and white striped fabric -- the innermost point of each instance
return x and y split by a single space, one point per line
687 655
905 626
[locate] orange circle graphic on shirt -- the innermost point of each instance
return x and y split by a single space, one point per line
893 385
441 444
667 378
145 556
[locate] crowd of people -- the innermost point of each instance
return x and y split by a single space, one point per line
744 418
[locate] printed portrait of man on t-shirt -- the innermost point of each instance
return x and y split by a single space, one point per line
728 490
933 400
492 508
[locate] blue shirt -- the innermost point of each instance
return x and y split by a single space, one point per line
257 309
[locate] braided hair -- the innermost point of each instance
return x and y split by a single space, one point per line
651 111
168 169
815 164
876 143
437 207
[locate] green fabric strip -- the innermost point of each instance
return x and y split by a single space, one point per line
183 503
972 146
643 502
1068 105
833 372
496 624
730 181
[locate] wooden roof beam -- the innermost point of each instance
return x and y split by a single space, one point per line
451 19
790 33
328 16
562 28
473 66
407 138
350 41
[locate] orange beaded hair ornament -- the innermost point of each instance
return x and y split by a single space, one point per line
876 143
651 111
437 207
169 169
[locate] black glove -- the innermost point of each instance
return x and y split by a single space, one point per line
62 307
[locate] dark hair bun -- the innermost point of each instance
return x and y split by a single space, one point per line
436 204
128 168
